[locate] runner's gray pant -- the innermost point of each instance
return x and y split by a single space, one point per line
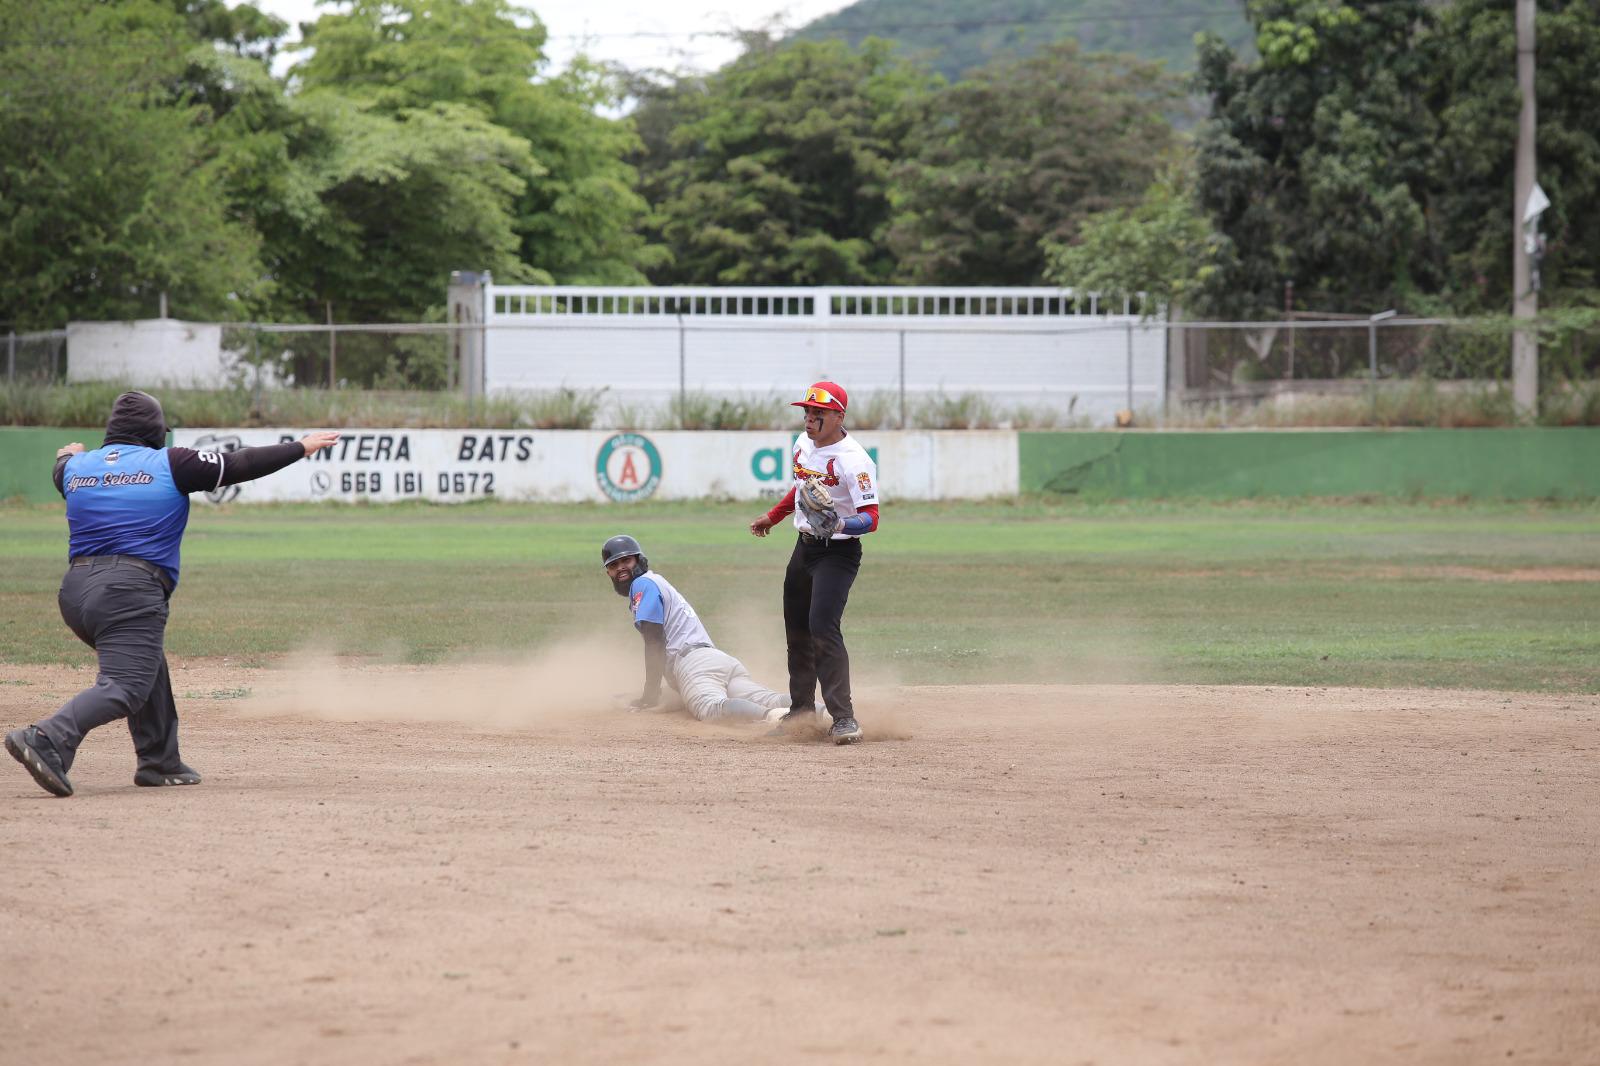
121 612
714 684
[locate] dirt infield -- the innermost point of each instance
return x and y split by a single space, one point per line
1026 874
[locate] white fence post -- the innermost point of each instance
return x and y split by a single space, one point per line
1129 325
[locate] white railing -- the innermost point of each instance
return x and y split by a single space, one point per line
701 302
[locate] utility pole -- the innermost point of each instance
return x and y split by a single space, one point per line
1525 300
1288 316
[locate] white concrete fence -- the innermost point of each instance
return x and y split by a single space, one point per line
1034 348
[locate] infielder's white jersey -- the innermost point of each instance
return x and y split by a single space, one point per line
845 468
652 598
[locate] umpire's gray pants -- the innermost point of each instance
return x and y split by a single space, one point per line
121 612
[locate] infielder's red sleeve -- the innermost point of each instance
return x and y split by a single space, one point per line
784 509
871 509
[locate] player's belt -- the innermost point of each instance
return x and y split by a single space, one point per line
127 560
685 650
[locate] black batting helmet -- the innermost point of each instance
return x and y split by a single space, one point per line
623 546
619 547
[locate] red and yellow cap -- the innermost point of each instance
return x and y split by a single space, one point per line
825 396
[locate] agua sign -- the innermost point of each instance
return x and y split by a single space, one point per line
449 466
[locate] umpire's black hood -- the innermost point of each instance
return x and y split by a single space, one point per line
137 418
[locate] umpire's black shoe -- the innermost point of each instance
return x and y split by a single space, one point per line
149 778
845 731
34 750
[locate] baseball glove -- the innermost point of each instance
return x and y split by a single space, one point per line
814 501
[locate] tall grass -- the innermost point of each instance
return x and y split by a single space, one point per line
1396 404
968 410
88 405
1571 403
1425 403
697 410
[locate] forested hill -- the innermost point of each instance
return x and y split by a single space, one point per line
953 36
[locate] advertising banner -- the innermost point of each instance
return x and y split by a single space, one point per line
452 466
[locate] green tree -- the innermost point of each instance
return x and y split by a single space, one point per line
244 30
1163 246
110 187
1474 93
1316 160
1021 153
377 209
775 169
578 213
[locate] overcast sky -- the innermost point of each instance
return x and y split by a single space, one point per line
675 34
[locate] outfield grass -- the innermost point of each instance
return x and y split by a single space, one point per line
1250 593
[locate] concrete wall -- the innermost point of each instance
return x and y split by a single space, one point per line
150 353
459 465
1038 348
1512 464
452 466
28 455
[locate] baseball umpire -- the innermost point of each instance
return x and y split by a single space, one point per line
677 648
834 500
127 506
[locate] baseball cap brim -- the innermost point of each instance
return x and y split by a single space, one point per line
824 396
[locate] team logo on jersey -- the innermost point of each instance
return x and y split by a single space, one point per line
212 447
628 467
112 456
864 481
829 477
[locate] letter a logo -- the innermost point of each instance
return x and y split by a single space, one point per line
628 467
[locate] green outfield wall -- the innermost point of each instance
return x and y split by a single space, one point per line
1510 464
28 455
380 465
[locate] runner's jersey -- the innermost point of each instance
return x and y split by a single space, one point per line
652 598
845 468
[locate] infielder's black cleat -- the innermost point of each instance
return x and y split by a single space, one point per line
148 778
34 750
845 731
799 720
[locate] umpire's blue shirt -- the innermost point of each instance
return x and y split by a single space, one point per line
122 500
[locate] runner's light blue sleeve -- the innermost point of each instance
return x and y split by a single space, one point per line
645 599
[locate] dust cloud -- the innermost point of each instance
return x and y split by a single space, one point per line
577 679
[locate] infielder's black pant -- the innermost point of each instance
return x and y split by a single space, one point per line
815 589
121 612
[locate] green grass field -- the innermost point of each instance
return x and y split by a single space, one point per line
1247 593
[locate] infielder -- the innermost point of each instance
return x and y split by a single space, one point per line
834 500
127 506
677 648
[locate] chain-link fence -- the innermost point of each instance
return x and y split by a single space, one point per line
1372 372
35 357
410 357
1400 372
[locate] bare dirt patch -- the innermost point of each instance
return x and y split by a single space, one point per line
1029 874
1515 575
